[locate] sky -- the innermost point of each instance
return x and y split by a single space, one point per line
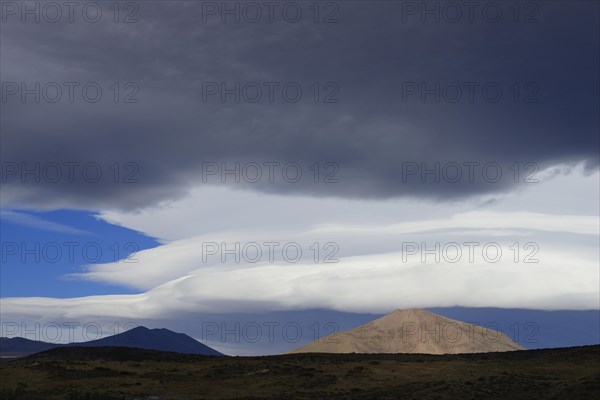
316 164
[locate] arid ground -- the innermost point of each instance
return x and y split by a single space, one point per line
125 373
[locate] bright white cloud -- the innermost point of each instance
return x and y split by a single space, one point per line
374 283
371 275
196 255
585 225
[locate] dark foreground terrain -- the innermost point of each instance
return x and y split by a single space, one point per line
126 373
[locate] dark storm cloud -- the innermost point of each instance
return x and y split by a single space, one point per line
377 132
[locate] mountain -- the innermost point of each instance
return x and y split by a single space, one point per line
15 347
153 339
140 337
413 331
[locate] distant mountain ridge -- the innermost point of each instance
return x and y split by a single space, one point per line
19 346
413 331
140 337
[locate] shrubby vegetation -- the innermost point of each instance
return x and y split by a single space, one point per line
91 396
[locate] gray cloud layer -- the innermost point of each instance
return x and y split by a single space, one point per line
371 133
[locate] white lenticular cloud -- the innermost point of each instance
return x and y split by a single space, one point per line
355 284
353 256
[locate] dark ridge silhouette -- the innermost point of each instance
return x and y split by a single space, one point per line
110 353
153 339
572 354
20 346
140 337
